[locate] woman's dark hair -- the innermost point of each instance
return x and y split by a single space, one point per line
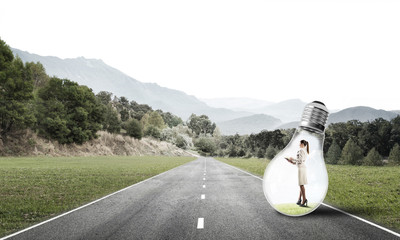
305 143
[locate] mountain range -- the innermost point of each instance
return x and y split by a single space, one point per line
251 124
99 76
232 115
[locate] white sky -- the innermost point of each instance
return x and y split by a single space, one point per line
344 53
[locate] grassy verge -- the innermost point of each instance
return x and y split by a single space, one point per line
35 189
369 192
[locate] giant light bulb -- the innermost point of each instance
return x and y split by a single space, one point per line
281 183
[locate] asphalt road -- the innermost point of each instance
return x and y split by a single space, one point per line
169 206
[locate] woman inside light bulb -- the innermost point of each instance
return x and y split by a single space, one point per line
302 170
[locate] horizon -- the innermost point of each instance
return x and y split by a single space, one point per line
270 51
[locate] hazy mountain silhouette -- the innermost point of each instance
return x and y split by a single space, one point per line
247 125
288 125
286 111
361 113
237 104
396 111
99 76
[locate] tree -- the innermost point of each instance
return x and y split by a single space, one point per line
134 129
68 112
139 110
37 73
152 131
395 132
337 131
333 154
260 153
170 119
16 92
394 156
206 146
373 158
111 123
271 152
376 134
152 123
201 125
155 120
104 97
232 151
241 153
351 154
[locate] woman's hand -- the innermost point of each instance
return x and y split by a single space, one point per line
290 159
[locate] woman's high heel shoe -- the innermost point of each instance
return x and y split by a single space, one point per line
305 204
299 202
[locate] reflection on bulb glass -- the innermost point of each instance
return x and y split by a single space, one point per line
295 182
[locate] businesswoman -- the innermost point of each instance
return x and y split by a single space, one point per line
302 170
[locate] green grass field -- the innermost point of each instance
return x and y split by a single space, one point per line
293 209
35 189
369 192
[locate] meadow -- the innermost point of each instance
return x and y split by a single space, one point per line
370 192
33 189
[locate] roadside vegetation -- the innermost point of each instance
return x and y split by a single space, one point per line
370 192
35 189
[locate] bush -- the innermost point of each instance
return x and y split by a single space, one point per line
241 153
394 156
134 128
178 136
260 153
232 151
373 158
271 152
152 131
333 154
351 154
205 145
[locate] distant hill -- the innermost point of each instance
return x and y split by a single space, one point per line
396 111
99 76
288 125
360 113
286 111
247 125
363 114
237 104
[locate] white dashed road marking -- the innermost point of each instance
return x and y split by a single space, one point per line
200 223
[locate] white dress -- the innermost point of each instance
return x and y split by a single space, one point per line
300 162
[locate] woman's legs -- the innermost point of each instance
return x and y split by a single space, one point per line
303 193
300 193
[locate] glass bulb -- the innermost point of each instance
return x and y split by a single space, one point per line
294 171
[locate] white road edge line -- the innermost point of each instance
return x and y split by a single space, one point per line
200 223
86 205
348 214
203 196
